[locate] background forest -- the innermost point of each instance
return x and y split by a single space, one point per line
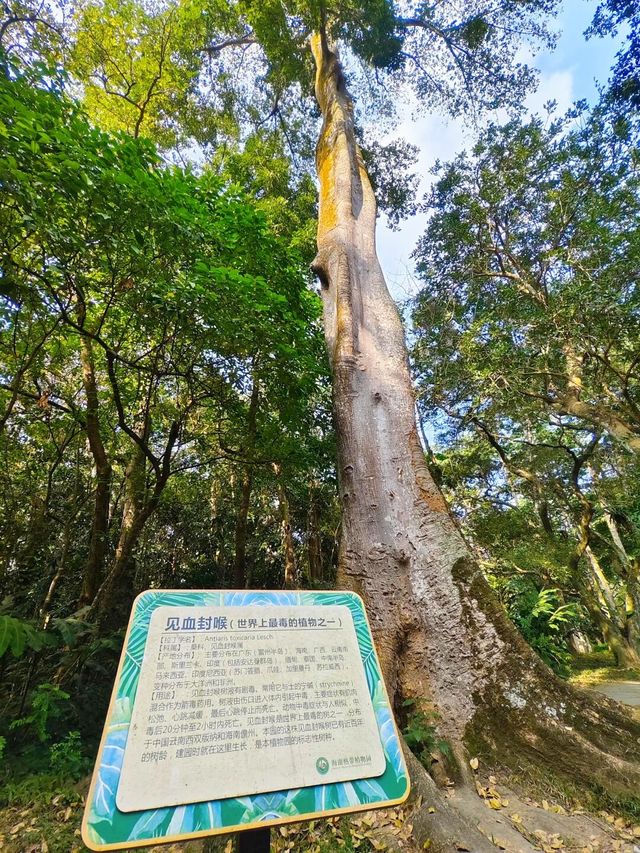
165 398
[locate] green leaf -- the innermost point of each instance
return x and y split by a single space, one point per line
18 635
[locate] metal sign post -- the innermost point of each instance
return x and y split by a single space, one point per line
254 841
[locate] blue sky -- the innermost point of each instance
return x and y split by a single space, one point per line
567 74
585 61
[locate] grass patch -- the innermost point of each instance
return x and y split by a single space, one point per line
539 784
591 670
41 809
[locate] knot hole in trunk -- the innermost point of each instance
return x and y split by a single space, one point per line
319 268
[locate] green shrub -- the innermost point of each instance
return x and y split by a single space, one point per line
66 757
49 703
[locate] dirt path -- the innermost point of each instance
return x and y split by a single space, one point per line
627 692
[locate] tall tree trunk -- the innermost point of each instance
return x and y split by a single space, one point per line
94 568
133 509
441 635
599 580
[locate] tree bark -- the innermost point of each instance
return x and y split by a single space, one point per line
113 599
288 549
98 542
597 594
241 577
442 637
604 612
314 539
602 417
630 567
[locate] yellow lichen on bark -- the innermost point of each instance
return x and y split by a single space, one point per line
315 41
327 210
332 154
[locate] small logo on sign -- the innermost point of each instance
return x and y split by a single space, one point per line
322 766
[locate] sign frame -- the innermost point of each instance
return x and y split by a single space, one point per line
104 827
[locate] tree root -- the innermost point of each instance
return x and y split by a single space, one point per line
585 740
437 822
584 744
458 819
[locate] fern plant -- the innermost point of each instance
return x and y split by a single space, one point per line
544 620
421 734
19 635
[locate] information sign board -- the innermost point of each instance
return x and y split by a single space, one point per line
233 710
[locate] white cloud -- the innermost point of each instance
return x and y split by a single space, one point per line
442 140
437 139
557 86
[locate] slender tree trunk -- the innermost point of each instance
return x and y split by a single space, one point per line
597 594
241 577
240 574
112 600
630 567
599 579
288 549
214 525
314 539
604 612
442 637
98 542
632 602
133 506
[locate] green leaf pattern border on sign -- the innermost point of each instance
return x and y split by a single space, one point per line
106 825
